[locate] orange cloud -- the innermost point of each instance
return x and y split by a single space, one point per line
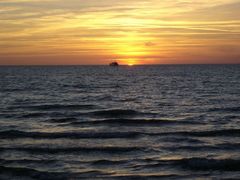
139 31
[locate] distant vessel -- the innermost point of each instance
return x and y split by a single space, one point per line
114 64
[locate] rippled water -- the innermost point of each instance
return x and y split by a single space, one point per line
174 122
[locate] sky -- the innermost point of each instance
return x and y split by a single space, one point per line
66 32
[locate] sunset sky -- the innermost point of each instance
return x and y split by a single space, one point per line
130 31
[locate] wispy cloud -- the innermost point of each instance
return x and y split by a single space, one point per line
163 30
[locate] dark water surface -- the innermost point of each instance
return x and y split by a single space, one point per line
174 122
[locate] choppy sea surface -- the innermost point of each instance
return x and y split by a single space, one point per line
140 122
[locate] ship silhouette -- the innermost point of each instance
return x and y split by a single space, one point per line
115 63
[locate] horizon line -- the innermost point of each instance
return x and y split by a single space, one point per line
2 65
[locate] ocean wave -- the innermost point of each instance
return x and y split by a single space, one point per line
109 162
52 114
176 139
27 161
8 115
15 134
223 146
115 113
135 122
46 150
226 109
13 90
208 133
204 164
56 107
63 120
87 87
27 173
149 176
213 133
196 164
32 115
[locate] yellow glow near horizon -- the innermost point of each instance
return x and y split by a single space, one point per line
130 62
129 45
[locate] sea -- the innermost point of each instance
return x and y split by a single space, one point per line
126 122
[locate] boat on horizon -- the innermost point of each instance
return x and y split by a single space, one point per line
115 63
